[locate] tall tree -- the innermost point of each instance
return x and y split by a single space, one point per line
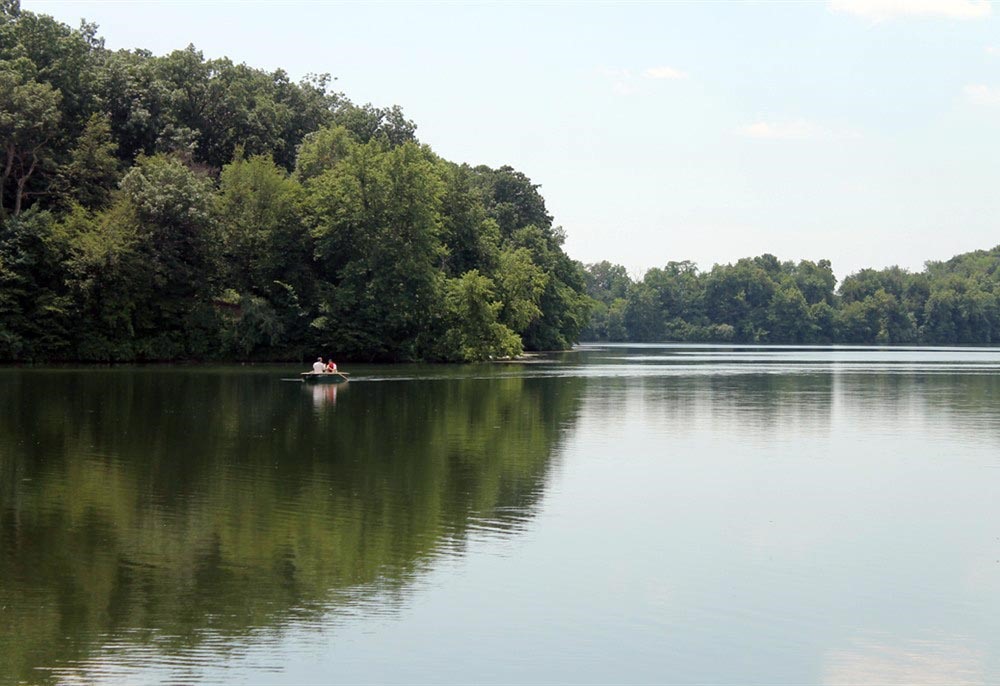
110 282
29 121
34 307
377 223
93 170
266 253
179 245
473 331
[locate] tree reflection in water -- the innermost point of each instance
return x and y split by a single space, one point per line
163 506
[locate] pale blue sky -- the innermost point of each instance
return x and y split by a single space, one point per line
862 131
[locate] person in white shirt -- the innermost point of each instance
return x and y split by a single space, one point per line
318 366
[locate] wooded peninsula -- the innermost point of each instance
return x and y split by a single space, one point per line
159 208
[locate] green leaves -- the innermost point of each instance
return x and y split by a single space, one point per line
474 333
376 222
172 227
521 284
34 309
93 170
29 117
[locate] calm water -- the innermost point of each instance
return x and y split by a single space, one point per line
658 514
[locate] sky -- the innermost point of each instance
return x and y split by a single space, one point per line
866 132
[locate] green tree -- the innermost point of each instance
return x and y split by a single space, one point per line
607 282
29 121
266 255
959 311
110 282
321 150
816 281
615 329
564 306
878 319
643 317
377 223
34 309
66 59
740 295
470 235
367 123
93 170
179 244
521 284
867 282
473 331
513 200
790 318
263 236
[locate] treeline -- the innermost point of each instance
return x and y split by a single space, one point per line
168 208
764 300
164 208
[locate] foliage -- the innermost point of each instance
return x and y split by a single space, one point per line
763 300
29 120
34 308
92 172
376 223
177 207
473 327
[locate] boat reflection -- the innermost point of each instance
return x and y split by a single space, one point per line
324 395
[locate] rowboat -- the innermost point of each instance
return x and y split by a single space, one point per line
323 377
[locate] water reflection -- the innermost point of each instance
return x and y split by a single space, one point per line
591 517
175 509
324 395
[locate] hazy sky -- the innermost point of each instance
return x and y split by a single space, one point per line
866 132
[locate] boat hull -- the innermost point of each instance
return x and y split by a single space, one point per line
323 377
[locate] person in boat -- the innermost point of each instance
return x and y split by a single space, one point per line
331 366
318 366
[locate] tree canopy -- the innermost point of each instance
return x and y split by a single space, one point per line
177 207
764 300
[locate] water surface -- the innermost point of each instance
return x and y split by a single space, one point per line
643 514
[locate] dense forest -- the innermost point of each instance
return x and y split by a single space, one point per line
764 300
177 208
163 208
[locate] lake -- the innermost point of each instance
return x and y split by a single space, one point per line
617 514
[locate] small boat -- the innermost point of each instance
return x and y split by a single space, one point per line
324 377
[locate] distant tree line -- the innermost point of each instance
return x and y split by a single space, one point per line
764 300
164 208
